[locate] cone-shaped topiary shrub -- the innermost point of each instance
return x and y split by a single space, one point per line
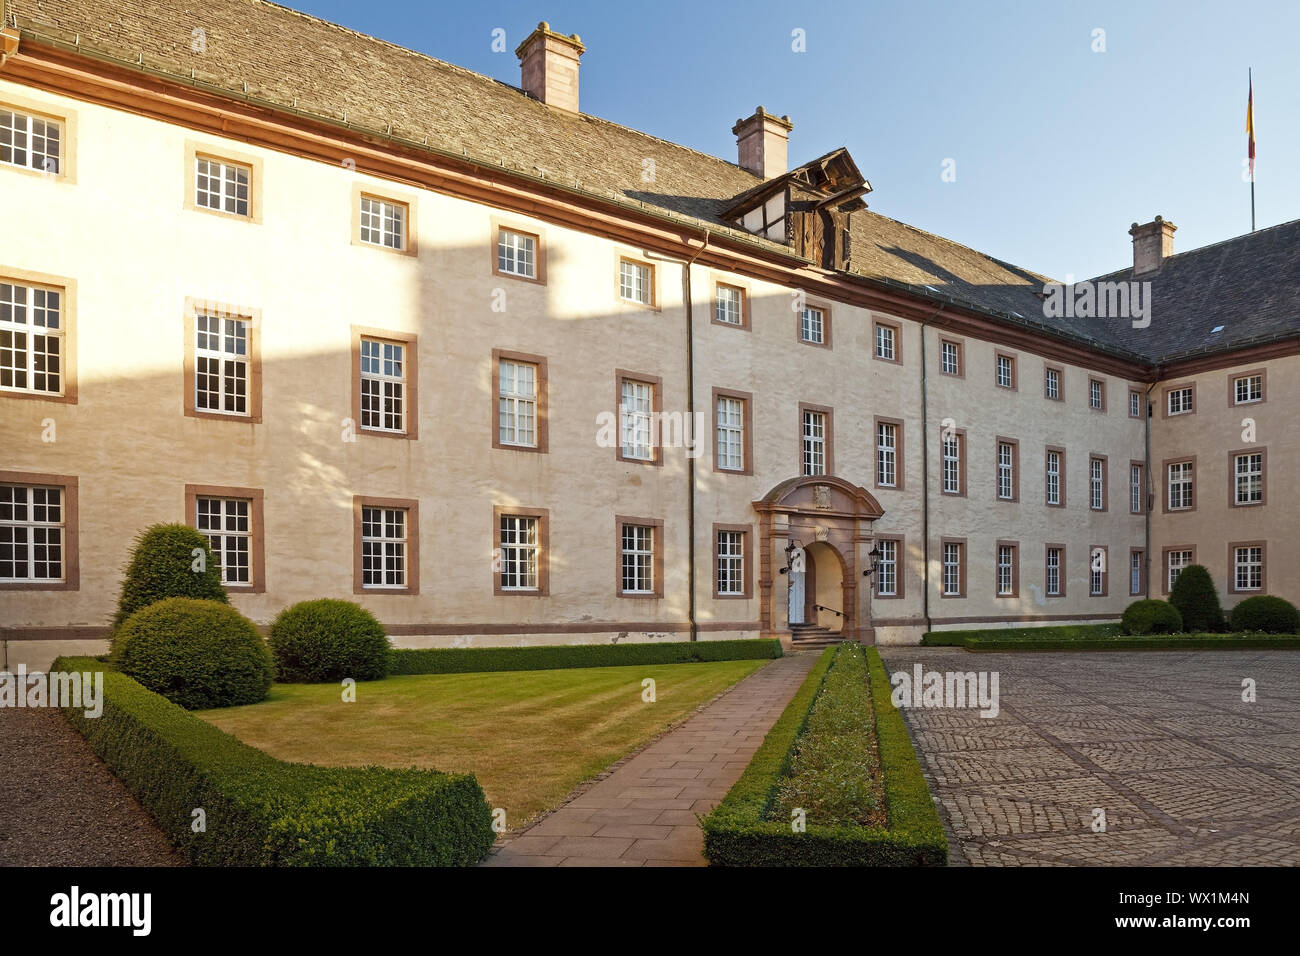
1267 614
314 642
195 653
167 563
1151 617
1194 595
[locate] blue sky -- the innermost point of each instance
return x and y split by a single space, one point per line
1057 149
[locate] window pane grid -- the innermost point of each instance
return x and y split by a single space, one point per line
636 415
30 142
638 559
729 307
221 186
517 404
731 562
516 254
383 223
383 385
952 465
952 569
887 455
814 443
731 434
1054 572
519 553
31 533
812 326
383 547
227 525
1248 568
1006 570
1249 479
1006 471
31 339
1180 486
1053 478
634 282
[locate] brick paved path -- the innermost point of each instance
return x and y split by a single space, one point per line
1188 774
646 812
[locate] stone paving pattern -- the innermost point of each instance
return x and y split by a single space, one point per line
1188 774
647 811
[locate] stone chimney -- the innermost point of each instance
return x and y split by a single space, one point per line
1153 243
761 143
548 62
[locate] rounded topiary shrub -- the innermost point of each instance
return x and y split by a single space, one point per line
1151 617
1268 614
1194 595
195 653
167 563
315 642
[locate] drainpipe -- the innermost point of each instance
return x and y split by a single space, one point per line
1146 512
690 412
925 473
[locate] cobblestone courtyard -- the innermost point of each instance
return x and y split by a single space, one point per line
1187 773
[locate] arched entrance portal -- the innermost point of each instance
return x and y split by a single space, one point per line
814 535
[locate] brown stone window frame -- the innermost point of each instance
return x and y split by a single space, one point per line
657 543
1170 389
1015 371
1262 451
960 345
71 525
1141 396
900 460
1060 450
193 307
1249 373
1143 501
960 435
195 150
961 568
829 412
1105 570
654 304
257 533
543 516
897 327
656 383
410 237
66 118
412 380
1164 485
1164 562
543 403
1100 409
1015 568
747 437
539 240
1232 567
1060 381
745 321
900 569
67 289
1062 575
998 442
1105 482
1142 572
747 555
825 310
412 508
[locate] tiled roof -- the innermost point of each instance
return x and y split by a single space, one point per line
262 50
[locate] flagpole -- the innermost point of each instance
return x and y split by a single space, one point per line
1251 84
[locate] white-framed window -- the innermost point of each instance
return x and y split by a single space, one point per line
221 364
1179 400
1248 568
814 443
383 385
1053 477
812 326
519 553
1096 484
731 433
1248 478
729 306
638 559
222 186
1006 471
1176 561
30 142
1053 581
636 412
636 282
32 533
383 547
731 562
1006 371
886 342
952 464
952 568
516 253
1096 394
517 403
1135 560
227 524
886 454
31 339
383 223
887 568
950 358
1136 491
1247 389
1097 572
1052 383
1180 486
1006 570
1135 404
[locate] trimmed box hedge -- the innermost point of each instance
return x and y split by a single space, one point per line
995 641
259 811
467 660
1024 635
736 833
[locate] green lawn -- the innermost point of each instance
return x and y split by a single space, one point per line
529 736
